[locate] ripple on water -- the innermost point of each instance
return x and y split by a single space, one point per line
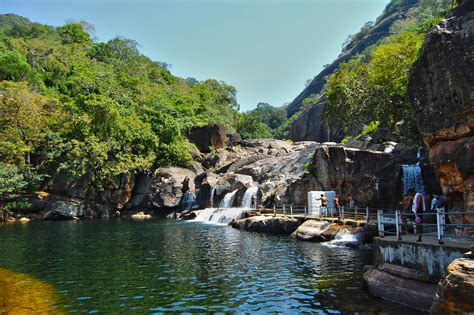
159 266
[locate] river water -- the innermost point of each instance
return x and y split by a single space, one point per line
157 266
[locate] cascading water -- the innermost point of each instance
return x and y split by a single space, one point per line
225 214
247 199
412 178
212 196
346 238
216 215
228 200
188 201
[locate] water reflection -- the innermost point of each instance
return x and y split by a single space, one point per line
157 266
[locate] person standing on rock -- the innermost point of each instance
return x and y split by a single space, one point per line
324 204
337 206
254 202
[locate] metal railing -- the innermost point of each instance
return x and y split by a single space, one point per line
404 221
360 214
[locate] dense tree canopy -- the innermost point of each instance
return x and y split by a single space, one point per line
262 122
93 110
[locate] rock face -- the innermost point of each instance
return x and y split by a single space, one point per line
400 285
441 89
317 231
64 209
309 126
207 137
278 225
167 188
455 293
380 30
373 178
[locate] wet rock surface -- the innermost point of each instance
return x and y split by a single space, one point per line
278 225
392 284
455 292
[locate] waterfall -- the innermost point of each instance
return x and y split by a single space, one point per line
249 193
212 196
222 216
412 178
188 200
228 200
346 238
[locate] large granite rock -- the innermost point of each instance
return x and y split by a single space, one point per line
442 92
400 285
317 231
310 126
208 137
373 178
64 209
455 293
167 187
278 225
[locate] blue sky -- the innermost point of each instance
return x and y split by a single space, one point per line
267 49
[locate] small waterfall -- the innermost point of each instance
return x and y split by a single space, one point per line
346 238
222 216
412 178
228 200
212 196
249 193
188 200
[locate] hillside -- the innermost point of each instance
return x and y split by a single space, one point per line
309 109
73 107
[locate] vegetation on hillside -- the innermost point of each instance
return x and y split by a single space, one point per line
93 110
371 88
265 121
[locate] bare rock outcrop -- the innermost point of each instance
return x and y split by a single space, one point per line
208 137
442 93
455 293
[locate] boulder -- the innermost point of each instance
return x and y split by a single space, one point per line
231 182
64 209
208 137
140 216
394 285
167 186
373 178
441 90
455 292
24 220
278 225
234 139
316 231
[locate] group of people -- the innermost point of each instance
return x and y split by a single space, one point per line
414 205
349 203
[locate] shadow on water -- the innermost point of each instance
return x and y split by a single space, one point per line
168 265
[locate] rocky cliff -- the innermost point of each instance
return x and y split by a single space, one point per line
442 93
310 125
379 31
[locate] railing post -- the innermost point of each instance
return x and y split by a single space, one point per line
367 214
291 209
284 210
355 214
397 224
380 223
342 212
274 211
305 211
439 226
